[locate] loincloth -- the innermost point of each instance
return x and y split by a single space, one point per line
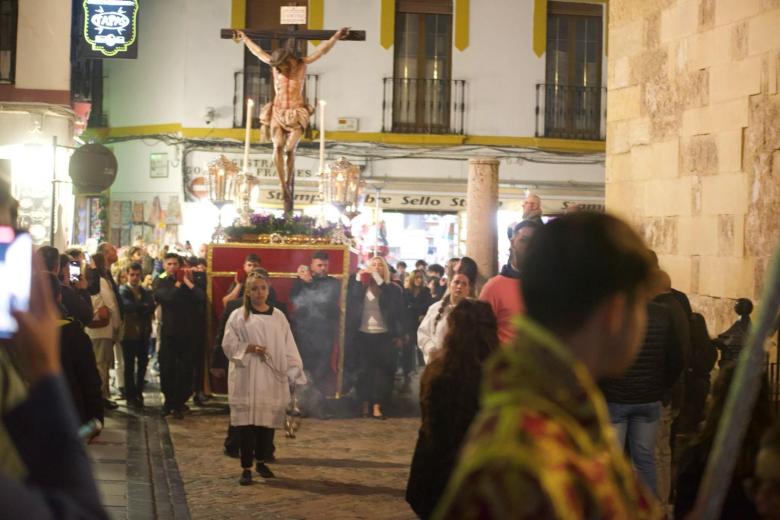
289 119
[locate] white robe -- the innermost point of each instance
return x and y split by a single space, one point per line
258 390
430 335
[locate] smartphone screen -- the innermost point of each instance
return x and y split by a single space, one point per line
75 271
15 276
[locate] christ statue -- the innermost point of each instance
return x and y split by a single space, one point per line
286 117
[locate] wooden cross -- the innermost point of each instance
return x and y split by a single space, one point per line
292 34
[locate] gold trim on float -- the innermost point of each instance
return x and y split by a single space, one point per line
271 274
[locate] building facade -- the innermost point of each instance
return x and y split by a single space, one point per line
410 104
693 153
36 121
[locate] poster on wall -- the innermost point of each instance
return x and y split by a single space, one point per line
138 212
127 213
173 213
107 29
158 165
195 171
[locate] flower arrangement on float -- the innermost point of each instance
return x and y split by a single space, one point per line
299 229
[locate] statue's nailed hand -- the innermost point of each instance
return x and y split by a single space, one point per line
240 35
342 33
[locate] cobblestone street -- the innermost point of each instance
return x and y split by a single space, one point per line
334 469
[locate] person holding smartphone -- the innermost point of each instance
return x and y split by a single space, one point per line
375 322
180 298
75 296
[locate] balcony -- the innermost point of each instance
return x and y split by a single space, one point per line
423 106
571 112
261 90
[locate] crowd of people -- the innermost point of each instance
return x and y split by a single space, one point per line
572 384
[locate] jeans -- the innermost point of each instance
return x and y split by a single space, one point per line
104 359
638 424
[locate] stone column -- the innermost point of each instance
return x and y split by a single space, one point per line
481 208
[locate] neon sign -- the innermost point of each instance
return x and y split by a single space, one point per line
110 26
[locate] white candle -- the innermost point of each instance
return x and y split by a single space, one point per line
322 136
249 105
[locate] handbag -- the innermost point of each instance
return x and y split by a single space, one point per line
100 319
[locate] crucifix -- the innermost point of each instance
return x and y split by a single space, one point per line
286 117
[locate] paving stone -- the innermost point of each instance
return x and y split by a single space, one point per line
339 468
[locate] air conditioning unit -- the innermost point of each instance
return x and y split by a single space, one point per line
347 124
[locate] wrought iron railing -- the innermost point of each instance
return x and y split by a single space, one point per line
571 112
424 106
261 90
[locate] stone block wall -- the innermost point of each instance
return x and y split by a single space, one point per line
693 140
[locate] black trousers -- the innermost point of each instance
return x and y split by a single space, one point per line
135 351
175 360
257 443
377 358
199 362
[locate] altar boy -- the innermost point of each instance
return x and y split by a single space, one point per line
264 362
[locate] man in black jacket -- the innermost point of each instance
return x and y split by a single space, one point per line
635 399
315 296
179 298
139 308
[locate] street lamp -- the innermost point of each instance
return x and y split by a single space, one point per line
223 183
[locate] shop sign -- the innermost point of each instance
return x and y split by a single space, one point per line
196 172
110 27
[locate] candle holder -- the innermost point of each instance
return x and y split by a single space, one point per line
223 184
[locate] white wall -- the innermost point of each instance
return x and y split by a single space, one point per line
351 74
209 64
149 90
500 69
183 67
43 45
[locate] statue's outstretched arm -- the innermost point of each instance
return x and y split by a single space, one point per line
254 48
325 47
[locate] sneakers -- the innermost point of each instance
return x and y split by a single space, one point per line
263 470
109 404
246 477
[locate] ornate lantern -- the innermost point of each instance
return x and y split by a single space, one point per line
343 187
223 186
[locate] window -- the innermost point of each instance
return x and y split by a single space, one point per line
8 15
257 82
423 57
573 91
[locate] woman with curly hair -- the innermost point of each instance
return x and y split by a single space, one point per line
449 400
